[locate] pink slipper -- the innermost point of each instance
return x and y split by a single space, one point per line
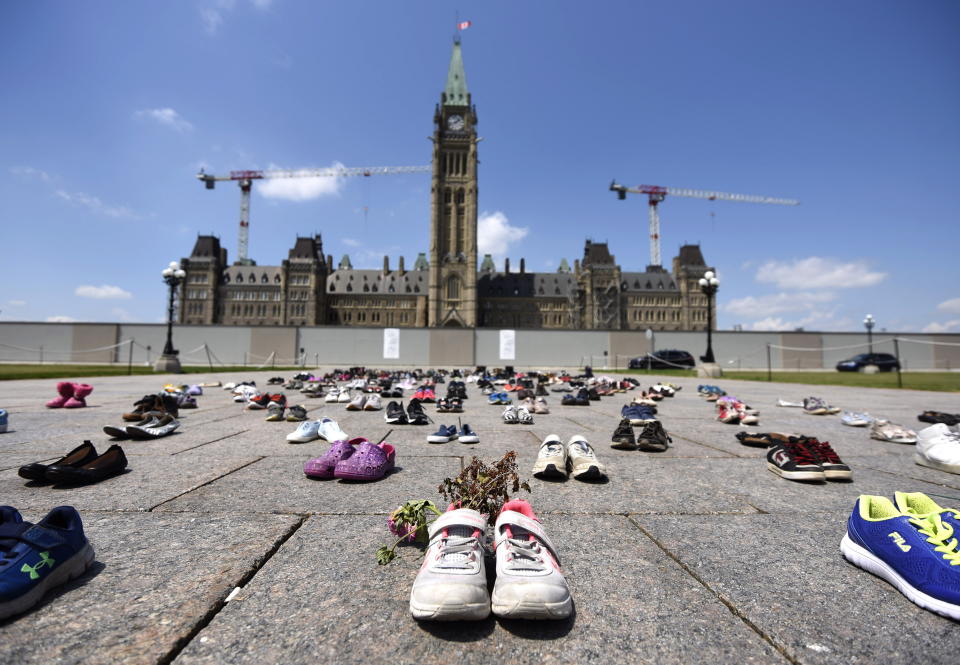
369 462
80 391
65 388
323 466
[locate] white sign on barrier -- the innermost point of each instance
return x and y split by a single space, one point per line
508 345
391 343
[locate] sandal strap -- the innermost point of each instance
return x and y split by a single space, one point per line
533 526
459 517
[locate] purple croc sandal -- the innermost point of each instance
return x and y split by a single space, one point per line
370 462
322 467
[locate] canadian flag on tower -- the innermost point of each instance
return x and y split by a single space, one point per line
463 25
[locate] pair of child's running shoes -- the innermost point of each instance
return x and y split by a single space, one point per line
911 542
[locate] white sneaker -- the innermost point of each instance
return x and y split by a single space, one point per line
510 416
552 459
373 403
854 419
308 430
583 461
356 404
529 582
452 582
938 447
332 395
330 430
524 417
344 396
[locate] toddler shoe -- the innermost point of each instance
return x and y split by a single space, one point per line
369 462
323 466
65 391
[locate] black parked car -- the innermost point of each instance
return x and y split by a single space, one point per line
664 359
885 361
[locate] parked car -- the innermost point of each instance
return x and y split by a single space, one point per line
885 361
664 359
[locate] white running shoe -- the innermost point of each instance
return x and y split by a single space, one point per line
524 417
356 404
308 430
332 395
452 582
510 415
856 419
330 430
552 459
344 396
529 582
373 403
938 447
582 460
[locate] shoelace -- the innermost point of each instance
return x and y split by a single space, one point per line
552 448
801 453
939 534
458 551
523 554
825 451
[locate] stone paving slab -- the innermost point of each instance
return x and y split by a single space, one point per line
788 578
149 481
357 612
154 579
277 485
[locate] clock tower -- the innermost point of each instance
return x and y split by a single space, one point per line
453 207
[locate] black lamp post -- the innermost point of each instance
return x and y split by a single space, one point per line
869 322
709 285
169 362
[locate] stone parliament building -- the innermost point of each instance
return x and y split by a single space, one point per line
446 288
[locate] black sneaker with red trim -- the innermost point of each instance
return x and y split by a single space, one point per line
795 460
833 467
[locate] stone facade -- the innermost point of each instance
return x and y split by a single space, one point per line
447 289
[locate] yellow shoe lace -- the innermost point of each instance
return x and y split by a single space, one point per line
939 534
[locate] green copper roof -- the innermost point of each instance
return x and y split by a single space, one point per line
487 265
456 90
421 262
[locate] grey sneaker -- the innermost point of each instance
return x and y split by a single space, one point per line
452 583
275 413
582 461
154 430
552 459
296 414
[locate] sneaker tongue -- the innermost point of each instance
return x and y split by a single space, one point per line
457 551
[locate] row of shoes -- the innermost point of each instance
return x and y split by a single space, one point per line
448 433
354 459
152 426
798 457
39 557
81 466
414 414
910 542
651 436
517 415
70 395
577 459
452 583
310 430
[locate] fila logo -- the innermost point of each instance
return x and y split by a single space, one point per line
898 539
781 457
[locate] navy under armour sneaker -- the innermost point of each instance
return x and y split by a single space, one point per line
35 558
918 554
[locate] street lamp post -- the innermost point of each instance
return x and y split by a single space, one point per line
709 285
869 322
169 361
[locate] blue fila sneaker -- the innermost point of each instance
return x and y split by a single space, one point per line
918 554
35 558
4 421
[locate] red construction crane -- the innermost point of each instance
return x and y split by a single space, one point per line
657 194
245 180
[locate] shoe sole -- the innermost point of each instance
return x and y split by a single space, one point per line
624 445
438 439
549 470
303 440
469 439
796 475
459 612
838 474
949 468
592 472
862 558
532 610
70 569
652 446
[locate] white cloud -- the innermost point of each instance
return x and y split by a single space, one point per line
302 187
950 306
495 235
166 117
104 292
949 326
60 318
94 204
350 242
776 303
16 303
30 172
816 273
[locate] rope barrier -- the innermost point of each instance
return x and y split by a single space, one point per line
924 341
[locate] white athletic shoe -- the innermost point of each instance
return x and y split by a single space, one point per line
332 395
582 460
510 415
356 404
330 431
938 447
373 403
552 459
452 582
344 396
308 430
529 582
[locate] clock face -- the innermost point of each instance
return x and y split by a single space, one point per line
455 122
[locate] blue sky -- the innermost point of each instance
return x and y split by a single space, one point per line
853 107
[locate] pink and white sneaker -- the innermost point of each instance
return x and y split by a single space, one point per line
529 582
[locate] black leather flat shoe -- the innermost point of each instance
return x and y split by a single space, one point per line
79 456
106 465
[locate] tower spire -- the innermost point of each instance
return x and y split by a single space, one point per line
455 93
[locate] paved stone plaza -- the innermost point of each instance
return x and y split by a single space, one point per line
698 554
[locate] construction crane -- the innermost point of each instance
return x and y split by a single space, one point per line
657 194
245 180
